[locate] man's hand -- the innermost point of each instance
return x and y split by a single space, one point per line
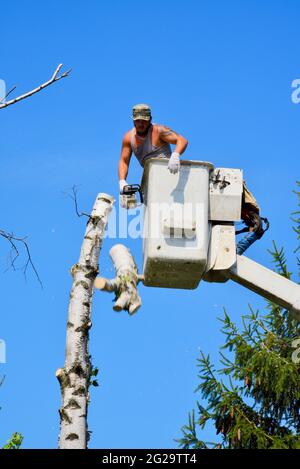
174 163
123 198
122 184
126 201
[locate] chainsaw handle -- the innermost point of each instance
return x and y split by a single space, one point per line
131 189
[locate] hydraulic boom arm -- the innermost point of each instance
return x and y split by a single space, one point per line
266 283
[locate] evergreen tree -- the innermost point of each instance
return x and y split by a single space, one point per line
14 442
253 398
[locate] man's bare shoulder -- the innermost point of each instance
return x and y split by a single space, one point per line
127 137
164 129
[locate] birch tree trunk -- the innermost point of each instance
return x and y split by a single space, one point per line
75 377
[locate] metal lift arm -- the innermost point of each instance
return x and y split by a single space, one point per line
224 264
266 283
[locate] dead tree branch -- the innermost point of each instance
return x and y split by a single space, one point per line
55 77
73 196
14 253
7 94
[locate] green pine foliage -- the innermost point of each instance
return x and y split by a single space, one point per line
253 397
14 442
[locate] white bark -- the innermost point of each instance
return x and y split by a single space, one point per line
75 377
125 283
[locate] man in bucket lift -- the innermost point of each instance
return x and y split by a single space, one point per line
147 140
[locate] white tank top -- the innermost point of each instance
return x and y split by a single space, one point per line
147 150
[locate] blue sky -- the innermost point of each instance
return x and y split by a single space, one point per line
218 72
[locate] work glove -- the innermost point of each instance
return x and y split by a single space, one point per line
122 184
174 163
123 197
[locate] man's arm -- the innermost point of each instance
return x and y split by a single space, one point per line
124 161
170 136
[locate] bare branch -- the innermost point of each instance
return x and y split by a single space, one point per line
55 77
7 94
14 249
73 196
13 240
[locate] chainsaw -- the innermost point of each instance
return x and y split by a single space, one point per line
130 192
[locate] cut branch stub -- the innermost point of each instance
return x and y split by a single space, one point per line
124 285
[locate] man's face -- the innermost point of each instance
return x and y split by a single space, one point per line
141 126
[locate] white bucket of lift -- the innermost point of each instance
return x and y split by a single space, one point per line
176 227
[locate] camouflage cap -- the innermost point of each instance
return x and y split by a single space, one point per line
141 111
